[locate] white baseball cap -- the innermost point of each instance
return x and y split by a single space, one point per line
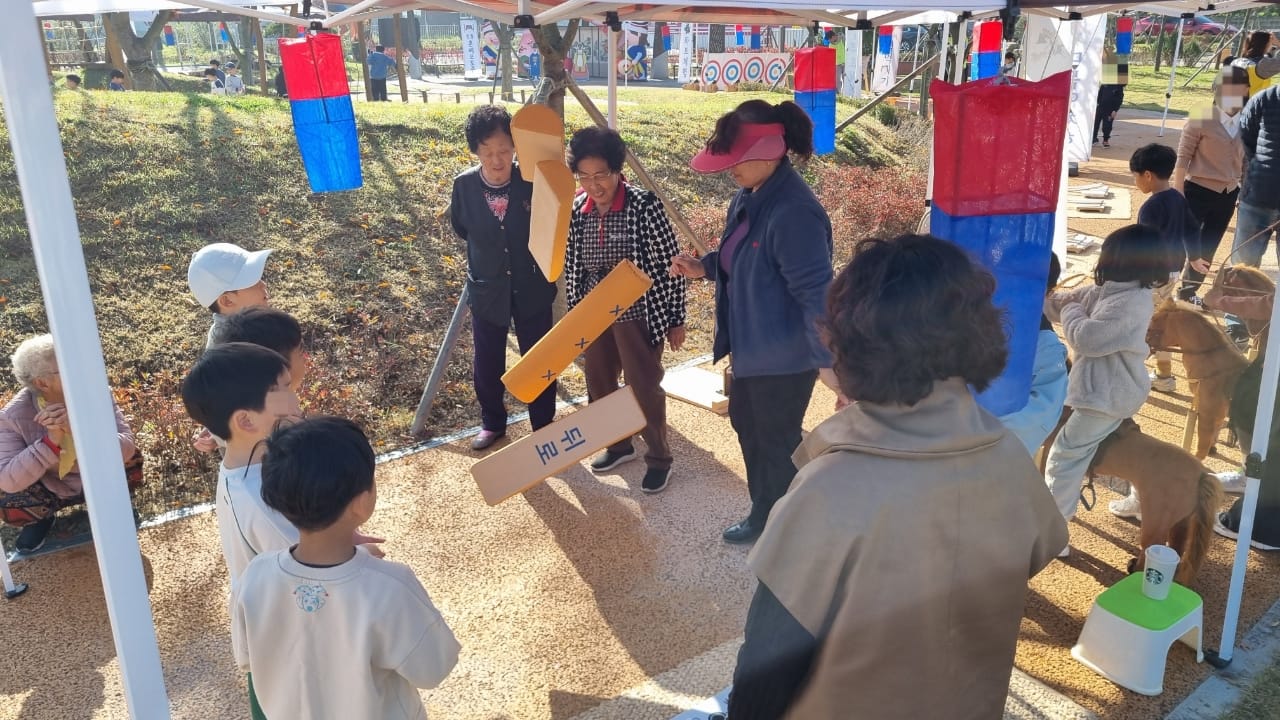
223 267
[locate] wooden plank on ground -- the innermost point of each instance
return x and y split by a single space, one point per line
536 457
697 387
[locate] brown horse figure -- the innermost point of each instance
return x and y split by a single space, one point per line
1210 359
1242 281
1179 497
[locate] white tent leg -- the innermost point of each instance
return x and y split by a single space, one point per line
1173 74
1261 446
942 55
613 79
55 239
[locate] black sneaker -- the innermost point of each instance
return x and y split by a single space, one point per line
1226 527
741 533
33 535
655 480
609 460
1239 335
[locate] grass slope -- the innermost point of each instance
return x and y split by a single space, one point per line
373 275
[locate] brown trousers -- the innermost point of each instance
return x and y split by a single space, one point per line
624 350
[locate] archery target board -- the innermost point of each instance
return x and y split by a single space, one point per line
725 69
732 73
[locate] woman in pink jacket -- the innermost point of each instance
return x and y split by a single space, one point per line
38 471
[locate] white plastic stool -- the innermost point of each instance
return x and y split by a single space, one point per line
1127 636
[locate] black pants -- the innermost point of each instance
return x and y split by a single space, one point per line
767 411
1105 120
489 362
378 88
1214 210
1244 406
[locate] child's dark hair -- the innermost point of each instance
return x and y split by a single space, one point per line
1055 272
314 469
483 122
1133 253
210 72
797 127
229 378
603 143
74 78
1156 158
117 74
271 328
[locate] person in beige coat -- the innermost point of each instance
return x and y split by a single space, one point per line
883 591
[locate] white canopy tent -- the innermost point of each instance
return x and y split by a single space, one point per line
59 258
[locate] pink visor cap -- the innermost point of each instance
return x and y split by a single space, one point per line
755 141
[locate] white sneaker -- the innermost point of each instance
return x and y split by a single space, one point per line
1127 507
1066 552
1163 384
1232 482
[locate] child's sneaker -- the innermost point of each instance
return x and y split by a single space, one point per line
1164 384
1127 507
1224 527
1232 482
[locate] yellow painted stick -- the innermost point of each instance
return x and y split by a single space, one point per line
538 133
534 458
580 327
552 206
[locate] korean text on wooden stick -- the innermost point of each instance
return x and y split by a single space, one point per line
534 458
580 327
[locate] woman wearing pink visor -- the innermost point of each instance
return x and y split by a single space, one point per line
771 269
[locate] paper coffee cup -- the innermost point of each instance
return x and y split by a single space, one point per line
1157 572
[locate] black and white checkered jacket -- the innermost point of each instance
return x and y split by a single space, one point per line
653 246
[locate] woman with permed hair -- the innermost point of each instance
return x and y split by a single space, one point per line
1257 61
490 211
771 270
613 221
880 566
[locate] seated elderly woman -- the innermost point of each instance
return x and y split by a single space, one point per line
38 471
880 566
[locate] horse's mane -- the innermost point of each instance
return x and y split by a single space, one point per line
1260 278
1191 313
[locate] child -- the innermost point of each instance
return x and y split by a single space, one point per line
117 81
326 630
1106 326
73 82
216 66
1033 423
1010 65
226 278
1168 213
216 86
240 392
269 328
234 83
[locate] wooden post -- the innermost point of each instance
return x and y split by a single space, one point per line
116 54
362 56
262 54
645 178
400 68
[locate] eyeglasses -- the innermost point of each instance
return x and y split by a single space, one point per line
596 178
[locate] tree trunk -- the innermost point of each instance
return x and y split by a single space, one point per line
505 36
1160 44
715 39
554 46
137 50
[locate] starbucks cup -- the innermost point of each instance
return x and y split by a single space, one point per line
1157 576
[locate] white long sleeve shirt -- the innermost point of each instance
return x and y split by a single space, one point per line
246 526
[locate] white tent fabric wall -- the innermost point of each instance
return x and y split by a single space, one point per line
851 82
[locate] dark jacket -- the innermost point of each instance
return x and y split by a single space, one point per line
1260 132
502 278
768 308
1110 98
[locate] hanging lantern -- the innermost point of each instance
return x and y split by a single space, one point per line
315 75
988 40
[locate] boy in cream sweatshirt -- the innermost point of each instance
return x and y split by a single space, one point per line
326 630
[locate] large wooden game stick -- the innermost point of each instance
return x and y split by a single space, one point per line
534 458
551 207
580 327
538 133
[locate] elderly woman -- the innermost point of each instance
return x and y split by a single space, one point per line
771 271
490 212
880 566
38 471
613 221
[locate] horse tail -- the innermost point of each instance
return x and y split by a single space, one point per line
1199 524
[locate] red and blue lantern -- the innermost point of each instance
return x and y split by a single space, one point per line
170 38
738 32
755 37
815 92
1124 35
222 31
884 40
988 40
324 122
997 171
666 37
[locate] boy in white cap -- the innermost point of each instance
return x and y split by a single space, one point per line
226 278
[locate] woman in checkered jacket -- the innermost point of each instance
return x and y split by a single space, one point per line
613 221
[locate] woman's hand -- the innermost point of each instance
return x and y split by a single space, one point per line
370 543
1200 265
203 441
685 265
55 421
675 337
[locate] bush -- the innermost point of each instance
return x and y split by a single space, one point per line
887 114
867 202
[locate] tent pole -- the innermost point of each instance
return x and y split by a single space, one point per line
884 95
1258 454
442 362
613 79
60 266
1173 75
633 162
400 64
